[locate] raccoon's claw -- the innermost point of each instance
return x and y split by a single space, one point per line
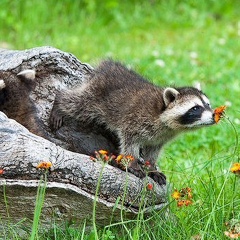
136 169
158 177
56 120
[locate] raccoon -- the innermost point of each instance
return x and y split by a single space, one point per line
15 101
143 117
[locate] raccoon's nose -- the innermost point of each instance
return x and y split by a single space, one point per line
213 117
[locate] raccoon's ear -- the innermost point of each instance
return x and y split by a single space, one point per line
2 84
197 85
29 74
169 95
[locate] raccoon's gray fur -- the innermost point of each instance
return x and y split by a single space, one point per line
143 116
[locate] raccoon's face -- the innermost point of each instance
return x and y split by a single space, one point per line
186 108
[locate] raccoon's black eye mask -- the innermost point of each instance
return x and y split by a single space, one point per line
192 115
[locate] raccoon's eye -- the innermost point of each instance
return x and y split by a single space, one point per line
195 108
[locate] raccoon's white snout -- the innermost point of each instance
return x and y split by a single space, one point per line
207 118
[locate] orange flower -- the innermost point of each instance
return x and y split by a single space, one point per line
183 197
1 171
196 237
176 194
235 168
218 113
102 155
232 235
186 192
123 161
149 187
188 202
106 158
129 157
147 164
119 158
103 152
180 203
45 165
189 195
93 158
233 228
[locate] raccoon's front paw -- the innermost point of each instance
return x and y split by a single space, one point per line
56 120
158 177
136 169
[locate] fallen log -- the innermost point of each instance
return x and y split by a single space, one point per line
74 180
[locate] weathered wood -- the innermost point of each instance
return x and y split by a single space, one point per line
73 179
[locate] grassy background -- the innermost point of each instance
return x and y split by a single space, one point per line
169 42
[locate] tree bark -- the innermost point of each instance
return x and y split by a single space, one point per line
74 179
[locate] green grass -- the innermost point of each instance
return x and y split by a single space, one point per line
38 206
171 43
